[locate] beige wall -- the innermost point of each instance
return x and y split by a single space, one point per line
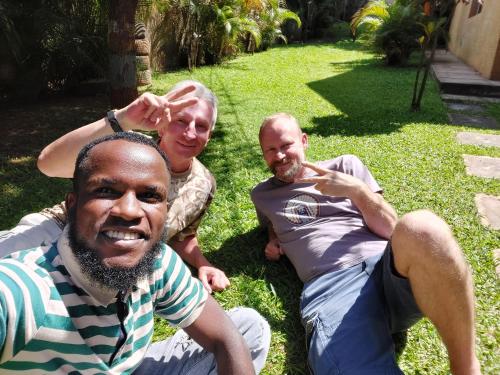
476 40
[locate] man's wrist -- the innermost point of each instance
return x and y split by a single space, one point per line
359 193
113 122
201 261
120 115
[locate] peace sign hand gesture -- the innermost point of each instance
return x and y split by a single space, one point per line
152 112
332 182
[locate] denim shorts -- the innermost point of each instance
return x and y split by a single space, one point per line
350 316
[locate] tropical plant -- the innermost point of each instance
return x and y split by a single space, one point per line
318 17
435 25
194 32
433 30
53 44
198 32
270 20
233 25
393 29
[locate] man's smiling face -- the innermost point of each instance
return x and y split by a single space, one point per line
283 146
188 133
120 207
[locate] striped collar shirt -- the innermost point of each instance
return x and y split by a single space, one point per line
54 319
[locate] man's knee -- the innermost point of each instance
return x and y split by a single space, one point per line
256 332
421 225
424 236
251 324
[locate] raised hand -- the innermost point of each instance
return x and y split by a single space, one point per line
332 182
150 112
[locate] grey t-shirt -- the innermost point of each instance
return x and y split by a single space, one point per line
318 233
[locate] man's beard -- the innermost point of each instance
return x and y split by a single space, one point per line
289 174
117 278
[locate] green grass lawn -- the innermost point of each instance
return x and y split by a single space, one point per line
347 102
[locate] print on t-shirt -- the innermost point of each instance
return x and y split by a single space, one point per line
301 209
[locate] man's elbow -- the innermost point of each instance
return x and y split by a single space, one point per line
45 164
390 223
42 164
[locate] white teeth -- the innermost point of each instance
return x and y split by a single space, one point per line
122 235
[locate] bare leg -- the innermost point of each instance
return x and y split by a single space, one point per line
426 253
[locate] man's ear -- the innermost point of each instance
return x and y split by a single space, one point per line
304 141
70 200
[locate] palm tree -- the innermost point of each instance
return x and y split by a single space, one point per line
123 86
393 29
234 25
435 26
270 20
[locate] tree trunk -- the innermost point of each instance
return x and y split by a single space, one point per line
122 77
427 68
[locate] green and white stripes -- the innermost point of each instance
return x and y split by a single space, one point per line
49 323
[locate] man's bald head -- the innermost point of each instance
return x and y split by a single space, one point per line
280 119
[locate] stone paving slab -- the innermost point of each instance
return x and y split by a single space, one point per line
468 99
465 107
478 139
483 122
496 258
489 210
482 166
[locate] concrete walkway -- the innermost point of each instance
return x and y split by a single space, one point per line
456 77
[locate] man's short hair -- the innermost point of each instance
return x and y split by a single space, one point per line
82 167
272 118
201 92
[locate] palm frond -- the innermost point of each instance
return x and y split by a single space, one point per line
374 9
285 15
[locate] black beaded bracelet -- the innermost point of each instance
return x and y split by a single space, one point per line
115 125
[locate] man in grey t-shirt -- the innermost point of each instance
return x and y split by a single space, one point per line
366 274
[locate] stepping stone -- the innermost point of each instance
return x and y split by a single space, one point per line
489 210
473 121
496 258
478 139
482 166
465 107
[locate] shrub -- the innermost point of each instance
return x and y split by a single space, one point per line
54 44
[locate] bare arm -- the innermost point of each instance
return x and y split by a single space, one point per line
379 215
211 277
58 158
148 112
215 332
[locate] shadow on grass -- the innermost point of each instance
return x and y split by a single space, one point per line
369 100
242 256
26 129
23 189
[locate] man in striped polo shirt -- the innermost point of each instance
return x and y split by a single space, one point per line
85 305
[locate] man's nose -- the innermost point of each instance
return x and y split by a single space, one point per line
190 131
128 207
280 155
